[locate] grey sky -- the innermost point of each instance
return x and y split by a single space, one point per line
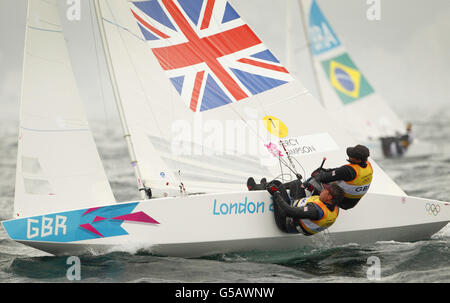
405 55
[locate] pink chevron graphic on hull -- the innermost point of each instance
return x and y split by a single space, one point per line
90 210
96 219
90 228
137 217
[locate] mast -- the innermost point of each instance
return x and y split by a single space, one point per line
308 46
127 136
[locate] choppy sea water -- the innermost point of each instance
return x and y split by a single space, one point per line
423 261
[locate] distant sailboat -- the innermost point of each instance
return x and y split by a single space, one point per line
347 94
171 63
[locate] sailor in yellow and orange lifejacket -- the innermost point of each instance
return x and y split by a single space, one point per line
307 215
354 178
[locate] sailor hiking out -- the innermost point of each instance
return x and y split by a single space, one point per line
354 178
296 213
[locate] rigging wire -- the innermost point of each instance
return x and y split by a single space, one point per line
106 117
281 169
119 104
147 103
132 62
97 61
258 136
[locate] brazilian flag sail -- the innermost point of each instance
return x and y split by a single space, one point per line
348 82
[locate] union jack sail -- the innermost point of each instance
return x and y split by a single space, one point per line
209 54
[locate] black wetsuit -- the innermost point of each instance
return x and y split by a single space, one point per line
343 173
287 216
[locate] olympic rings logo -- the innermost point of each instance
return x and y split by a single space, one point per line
433 209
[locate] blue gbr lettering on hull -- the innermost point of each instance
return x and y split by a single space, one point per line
240 208
77 225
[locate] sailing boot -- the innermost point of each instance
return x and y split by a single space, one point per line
263 182
251 184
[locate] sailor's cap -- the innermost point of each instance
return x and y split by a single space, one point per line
359 152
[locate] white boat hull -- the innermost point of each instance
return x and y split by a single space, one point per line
217 223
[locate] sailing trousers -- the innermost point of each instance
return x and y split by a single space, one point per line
296 192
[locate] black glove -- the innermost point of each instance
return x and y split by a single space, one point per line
315 186
308 186
317 172
320 176
272 187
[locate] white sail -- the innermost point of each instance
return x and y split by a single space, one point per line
58 166
157 62
158 119
344 90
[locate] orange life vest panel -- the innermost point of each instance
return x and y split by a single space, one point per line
328 218
359 186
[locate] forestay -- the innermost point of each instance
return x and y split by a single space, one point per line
345 91
184 71
58 166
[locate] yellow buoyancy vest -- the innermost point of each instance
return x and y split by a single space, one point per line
359 186
315 226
